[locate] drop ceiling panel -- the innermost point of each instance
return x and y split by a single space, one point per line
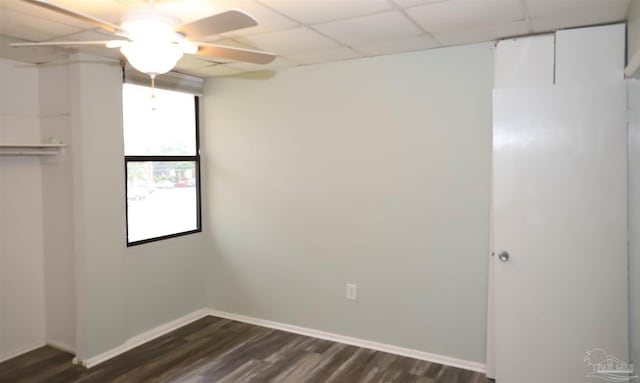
485 33
540 8
93 35
455 15
586 16
315 57
278 63
234 43
311 12
413 3
312 30
268 20
39 12
407 44
32 55
96 34
191 10
210 70
368 29
108 10
291 41
31 28
192 61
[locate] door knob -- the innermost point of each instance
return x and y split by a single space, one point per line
503 256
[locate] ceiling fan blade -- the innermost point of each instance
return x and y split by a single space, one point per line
220 23
69 12
113 43
237 54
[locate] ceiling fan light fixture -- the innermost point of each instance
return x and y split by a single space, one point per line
189 47
152 58
150 25
153 41
115 43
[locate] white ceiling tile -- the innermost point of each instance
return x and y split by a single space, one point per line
107 10
43 13
209 70
234 43
465 14
311 12
191 10
278 63
316 57
33 55
540 8
91 35
582 17
290 41
406 44
31 28
367 25
413 3
99 50
192 61
268 20
487 33
367 29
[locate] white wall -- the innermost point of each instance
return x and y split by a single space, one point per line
634 218
633 48
633 30
121 291
64 264
22 317
57 197
372 171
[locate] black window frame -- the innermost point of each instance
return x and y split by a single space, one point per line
171 158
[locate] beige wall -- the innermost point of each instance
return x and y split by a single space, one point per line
372 171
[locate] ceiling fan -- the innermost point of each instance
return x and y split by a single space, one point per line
154 41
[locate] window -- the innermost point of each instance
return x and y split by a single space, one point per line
162 164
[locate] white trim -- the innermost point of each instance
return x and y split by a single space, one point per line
61 346
633 65
20 351
391 349
145 337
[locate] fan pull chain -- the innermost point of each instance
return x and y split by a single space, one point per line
153 92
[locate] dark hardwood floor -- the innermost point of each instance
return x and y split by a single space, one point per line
220 350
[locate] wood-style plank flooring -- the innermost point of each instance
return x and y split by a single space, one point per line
224 351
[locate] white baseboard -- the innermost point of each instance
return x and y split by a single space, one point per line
20 351
61 346
175 324
145 337
391 349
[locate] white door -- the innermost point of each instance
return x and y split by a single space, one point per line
560 212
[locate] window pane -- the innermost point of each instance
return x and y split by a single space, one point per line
160 125
161 198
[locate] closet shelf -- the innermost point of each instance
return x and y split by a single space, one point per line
44 149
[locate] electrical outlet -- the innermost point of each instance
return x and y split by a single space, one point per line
352 291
